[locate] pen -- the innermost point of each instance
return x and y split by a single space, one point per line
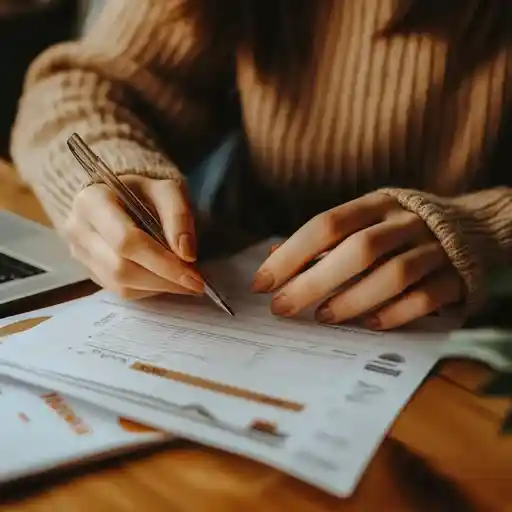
139 212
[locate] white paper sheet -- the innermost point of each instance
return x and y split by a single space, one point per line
42 430
38 313
324 396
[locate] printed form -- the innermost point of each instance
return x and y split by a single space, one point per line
314 401
42 430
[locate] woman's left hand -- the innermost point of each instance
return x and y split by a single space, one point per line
390 267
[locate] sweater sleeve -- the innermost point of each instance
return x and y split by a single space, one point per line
474 229
141 89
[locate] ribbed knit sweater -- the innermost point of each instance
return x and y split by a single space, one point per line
373 113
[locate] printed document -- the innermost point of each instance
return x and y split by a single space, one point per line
312 400
42 430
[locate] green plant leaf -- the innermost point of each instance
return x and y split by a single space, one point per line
499 386
506 428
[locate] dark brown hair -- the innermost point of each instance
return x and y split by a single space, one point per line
279 33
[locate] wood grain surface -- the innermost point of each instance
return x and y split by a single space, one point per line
443 453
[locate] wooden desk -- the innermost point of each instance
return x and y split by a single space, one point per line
442 454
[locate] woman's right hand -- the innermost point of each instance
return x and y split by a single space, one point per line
121 257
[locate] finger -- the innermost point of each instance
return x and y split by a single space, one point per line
125 293
116 273
316 236
171 202
142 249
383 283
444 289
111 221
274 248
130 294
353 256
310 263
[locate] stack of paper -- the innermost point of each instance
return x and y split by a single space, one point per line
43 430
314 401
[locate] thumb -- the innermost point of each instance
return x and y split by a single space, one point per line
171 202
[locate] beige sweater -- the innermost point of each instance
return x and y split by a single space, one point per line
372 114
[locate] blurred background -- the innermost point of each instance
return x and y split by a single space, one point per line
27 27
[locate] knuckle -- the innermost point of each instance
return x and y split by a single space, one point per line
393 316
383 319
427 302
384 202
327 225
417 224
412 217
119 270
400 273
129 240
364 247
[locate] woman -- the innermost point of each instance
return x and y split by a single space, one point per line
375 129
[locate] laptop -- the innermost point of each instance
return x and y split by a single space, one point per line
33 259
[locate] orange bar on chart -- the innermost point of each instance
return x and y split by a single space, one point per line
218 387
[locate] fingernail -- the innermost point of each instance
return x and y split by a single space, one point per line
192 283
263 282
371 322
187 246
325 315
281 305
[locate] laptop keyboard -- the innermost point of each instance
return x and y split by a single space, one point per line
12 269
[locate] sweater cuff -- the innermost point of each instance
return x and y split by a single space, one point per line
60 177
125 157
466 231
